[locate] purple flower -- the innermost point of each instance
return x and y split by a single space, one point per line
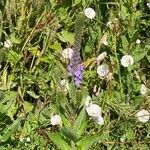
75 69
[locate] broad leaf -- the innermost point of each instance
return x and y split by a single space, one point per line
87 142
59 141
9 132
69 133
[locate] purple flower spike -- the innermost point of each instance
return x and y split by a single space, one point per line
76 71
78 75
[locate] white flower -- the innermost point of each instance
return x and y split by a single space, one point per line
109 23
143 89
99 119
28 139
143 115
138 41
67 53
56 120
102 70
148 5
127 60
93 110
88 101
7 44
101 57
89 13
64 85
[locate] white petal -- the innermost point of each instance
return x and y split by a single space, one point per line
148 5
88 100
109 23
28 139
143 115
101 57
138 41
7 44
102 70
143 89
67 53
64 85
99 120
89 13
127 60
56 120
93 110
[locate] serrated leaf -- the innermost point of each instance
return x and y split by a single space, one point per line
59 141
9 132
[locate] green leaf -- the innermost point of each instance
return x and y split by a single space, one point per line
76 2
9 132
136 102
33 50
27 106
70 134
13 57
32 94
10 98
66 36
125 42
87 142
80 121
14 39
59 141
139 55
56 46
148 58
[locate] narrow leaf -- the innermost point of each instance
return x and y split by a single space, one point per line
79 120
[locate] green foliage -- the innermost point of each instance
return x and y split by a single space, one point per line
32 70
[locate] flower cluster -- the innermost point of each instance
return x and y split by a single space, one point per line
76 71
94 111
